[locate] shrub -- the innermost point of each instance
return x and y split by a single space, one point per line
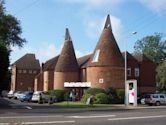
101 98
66 96
94 91
120 95
85 97
111 91
58 93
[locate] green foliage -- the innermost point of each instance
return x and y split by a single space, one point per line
60 94
116 96
4 64
85 97
111 91
109 96
120 95
10 35
94 91
101 98
66 96
10 29
161 76
153 47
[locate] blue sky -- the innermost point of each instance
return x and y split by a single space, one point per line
44 22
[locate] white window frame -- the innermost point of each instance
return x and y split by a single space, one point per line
136 72
19 71
128 71
96 56
24 71
34 71
30 71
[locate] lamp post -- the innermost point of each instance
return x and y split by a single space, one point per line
126 87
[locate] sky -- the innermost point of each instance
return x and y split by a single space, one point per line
43 23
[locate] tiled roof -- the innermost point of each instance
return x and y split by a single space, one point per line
50 64
129 56
108 51
28 61
141 57
83 61
67 61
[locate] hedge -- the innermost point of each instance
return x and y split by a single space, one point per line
60 94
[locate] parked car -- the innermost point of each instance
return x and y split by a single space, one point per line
155 99
25 96
141 99
4 93
10 94
41 97
17 94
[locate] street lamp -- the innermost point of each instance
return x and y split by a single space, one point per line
126 94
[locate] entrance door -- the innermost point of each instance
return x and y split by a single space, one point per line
78 92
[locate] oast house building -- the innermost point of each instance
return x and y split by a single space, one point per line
103 68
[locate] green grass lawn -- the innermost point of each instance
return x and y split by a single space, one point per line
66 104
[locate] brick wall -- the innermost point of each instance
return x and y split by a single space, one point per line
104 77
25 81
147 74
61 77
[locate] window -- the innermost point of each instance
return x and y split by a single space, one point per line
128 71
136 72
19 71
34 72
24 71
155 96
162 96
30 71
96 56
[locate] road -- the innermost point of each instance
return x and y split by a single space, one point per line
53 116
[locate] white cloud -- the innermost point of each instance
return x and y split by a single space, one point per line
155 5
80 54
43 52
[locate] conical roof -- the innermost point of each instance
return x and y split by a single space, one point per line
67 61
107 52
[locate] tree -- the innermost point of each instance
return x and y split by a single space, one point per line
10 35
10 29
161 76
153 47
4 64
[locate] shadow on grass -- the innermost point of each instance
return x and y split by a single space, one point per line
82 105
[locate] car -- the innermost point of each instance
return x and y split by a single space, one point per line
17 94
155 99
4 93
10 94
141 99
26 96
40 97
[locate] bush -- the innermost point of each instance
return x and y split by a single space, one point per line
66 96
120 95
59 94
101 98
85 97
111 91
94 91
